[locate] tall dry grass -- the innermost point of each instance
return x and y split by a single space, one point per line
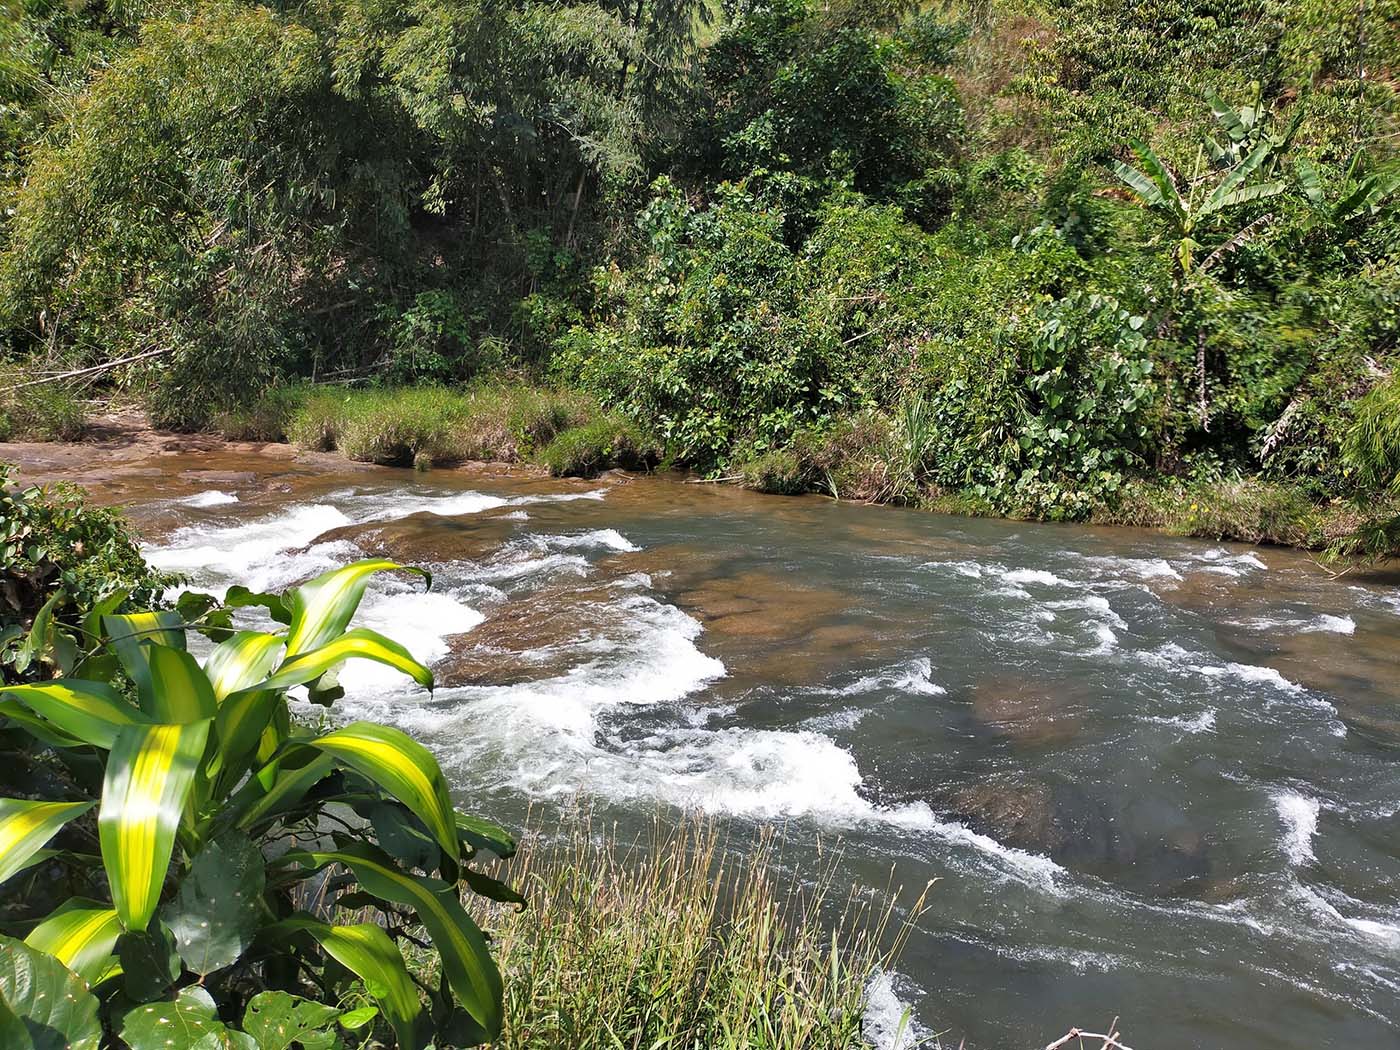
673 940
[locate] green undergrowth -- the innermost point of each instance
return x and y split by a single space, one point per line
678 939
50 412
427 426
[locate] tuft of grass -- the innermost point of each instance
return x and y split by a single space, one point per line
606 442
50 412
1249 511
266 419
673 940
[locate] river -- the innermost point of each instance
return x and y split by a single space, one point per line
1154 777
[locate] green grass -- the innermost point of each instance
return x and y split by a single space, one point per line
426 426
50 412
673 941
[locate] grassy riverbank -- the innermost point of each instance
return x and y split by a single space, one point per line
671 939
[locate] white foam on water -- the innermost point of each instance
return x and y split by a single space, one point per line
1204 722
1299 815
887 1022
914 676
1037 576
1385 931
1029 867
1219 560
604 539
256 553
1139 568
1251 673
420 622
211 498
572 564
1323 623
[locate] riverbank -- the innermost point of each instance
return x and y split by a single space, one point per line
527 431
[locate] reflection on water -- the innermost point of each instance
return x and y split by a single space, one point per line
1155 776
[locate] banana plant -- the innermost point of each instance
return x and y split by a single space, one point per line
1187 211
228 835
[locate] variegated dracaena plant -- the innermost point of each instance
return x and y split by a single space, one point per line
228 836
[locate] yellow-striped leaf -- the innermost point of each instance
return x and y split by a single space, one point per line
180 690
368 951
321 608
91 711
82 935
36 726
149 776
26 826
358 643
470 970
287 787
130 636
243 660
402 767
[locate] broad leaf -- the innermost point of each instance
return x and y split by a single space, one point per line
36 726
180 690
358 643
178 1024
367 951
150 962
321 608
25 827
91 711
287 789
478 834
216 914
277 1021
81 935
239 597
149 776
402 767
466 962
50 1000
243 660
130 635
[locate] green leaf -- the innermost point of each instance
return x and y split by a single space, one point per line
466 961
288 788
277 1020
360 643
491 889
25 827
149 776
81 934
241 661
36 726
216 914
367 951
177 1024
150 963
130 635
351 1020
478 834
404 768
51 1001
239 597
90 711
180 690
321 608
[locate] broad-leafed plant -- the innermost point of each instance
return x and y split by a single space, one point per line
220 842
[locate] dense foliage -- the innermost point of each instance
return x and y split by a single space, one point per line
61 561
1018 253
226 837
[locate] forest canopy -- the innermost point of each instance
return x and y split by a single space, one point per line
1018 251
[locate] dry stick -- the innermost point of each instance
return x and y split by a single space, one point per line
1110 1041
90 371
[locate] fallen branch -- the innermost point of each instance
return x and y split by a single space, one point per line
714 481
1110 1041
61 376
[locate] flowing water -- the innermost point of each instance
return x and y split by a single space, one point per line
1154 777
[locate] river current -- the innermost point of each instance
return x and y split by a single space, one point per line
1155 778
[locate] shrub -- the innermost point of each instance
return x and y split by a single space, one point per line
316 422
683 939
1371 448
403 427
49 412
269 418
218 821
61 561
608 441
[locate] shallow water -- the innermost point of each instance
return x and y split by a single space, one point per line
1154 777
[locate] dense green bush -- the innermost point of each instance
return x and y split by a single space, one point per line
49 412
61 560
